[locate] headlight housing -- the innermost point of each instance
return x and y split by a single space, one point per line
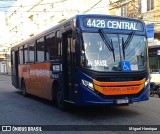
87 84
146 83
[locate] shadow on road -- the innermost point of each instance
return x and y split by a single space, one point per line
90 112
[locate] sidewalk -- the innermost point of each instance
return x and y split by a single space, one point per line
5 77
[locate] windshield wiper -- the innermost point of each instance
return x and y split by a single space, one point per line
106 40
126 43
123 48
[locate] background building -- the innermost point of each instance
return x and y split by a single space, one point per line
4 51
149 12
28 17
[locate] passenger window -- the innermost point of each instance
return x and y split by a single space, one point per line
12 56
21 57
59 43
31 52
50 47
25 53
40 50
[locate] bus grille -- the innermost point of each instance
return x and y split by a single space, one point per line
118 79
118 96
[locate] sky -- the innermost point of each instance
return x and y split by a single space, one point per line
6 4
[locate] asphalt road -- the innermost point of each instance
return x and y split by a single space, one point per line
18 110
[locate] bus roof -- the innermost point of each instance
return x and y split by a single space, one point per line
79 24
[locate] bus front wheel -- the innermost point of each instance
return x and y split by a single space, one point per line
24 88
60 98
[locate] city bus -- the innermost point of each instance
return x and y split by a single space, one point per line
89 59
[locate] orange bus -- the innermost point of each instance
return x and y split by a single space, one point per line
86 60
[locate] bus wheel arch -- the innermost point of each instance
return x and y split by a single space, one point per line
54 87
23 87
58 95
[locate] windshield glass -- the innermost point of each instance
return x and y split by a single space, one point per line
97 55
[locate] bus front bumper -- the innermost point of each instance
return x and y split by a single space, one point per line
86 96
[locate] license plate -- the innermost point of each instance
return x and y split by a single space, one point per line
122 101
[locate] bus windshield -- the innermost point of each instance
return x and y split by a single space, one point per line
101 55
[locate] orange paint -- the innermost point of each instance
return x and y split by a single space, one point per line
37 79
119 88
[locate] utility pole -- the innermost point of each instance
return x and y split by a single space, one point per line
133 7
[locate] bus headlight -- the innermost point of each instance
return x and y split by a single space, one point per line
146 83
87 84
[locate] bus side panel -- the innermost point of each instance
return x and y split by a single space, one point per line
40 80
37 79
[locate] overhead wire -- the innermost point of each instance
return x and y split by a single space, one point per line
93 7
33 5
5 8
61 10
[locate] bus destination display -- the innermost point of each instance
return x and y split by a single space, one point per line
112 24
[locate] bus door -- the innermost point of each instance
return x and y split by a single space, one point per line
14 68
69 65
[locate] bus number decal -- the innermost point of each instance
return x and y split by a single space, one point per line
96 23
55 76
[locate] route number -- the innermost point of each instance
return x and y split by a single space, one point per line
96 23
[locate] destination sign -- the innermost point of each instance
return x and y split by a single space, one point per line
113 24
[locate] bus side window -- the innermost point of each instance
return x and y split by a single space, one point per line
59 43
21 57
73 50
50 47
31 52
26 53
40 47
73 45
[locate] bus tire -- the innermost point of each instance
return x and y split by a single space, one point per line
60 98
23 86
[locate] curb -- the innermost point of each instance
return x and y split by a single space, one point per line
5 74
